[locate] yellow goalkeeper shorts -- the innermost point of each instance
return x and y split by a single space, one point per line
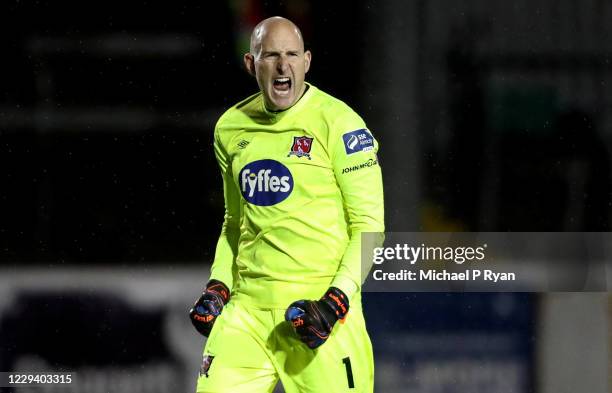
249 349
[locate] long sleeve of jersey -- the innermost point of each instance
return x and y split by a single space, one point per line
357 171
224 265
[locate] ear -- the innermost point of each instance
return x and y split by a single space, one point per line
307 58
249 63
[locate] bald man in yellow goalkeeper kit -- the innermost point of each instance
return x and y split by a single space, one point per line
301 182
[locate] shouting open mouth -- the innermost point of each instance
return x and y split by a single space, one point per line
282 85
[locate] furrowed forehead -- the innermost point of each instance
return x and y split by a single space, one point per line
276 36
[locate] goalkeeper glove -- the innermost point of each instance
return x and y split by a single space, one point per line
208 307
314 320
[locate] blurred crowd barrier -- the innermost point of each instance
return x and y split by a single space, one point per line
126 330
118 330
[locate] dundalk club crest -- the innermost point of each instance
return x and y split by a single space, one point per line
301 147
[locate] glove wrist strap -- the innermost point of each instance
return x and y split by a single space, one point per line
337 301
219 288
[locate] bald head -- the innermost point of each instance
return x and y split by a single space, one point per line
274 25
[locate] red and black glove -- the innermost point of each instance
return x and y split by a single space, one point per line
313 320
208 307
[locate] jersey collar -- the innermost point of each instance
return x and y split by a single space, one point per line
276 116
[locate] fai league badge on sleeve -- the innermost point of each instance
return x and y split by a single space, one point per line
358 140
301 147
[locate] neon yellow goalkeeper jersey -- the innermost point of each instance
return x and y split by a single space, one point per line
300 187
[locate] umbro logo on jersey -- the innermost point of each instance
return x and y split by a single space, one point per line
242 144
301 147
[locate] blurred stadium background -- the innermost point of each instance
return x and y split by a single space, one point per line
492 116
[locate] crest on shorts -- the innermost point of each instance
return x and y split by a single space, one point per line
301 146
206 362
